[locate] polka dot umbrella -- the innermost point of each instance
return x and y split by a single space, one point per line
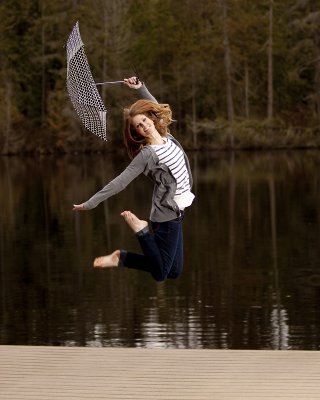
82 88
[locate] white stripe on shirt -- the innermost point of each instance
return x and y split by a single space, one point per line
172 156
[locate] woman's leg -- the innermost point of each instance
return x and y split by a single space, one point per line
177 266
114 259
163 248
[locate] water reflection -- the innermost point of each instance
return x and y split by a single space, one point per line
251 276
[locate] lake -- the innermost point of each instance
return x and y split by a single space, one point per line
252 272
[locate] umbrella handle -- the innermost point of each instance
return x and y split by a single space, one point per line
108 82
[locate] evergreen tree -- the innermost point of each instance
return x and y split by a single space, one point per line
305 59
207 67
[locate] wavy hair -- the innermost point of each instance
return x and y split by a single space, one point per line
160 114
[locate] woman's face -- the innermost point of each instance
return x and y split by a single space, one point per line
143 125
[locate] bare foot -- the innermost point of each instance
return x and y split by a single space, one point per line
111 260
133 221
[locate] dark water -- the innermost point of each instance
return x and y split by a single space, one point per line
252 270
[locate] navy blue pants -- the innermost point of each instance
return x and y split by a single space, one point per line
162 249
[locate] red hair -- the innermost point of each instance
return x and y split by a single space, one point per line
160 114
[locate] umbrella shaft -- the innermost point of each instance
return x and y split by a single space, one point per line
109 82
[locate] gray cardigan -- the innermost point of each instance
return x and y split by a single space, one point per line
163 208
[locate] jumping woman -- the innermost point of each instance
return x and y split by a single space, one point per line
158 155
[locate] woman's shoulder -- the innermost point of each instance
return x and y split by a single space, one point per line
146 150
173 139
144 154
148 155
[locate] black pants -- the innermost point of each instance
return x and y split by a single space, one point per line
162 250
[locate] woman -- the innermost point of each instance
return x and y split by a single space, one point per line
155 153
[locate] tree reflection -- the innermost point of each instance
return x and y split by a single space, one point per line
251 275
279 327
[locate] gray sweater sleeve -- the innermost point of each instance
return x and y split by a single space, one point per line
134 169
144 93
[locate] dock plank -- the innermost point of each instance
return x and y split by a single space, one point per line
51 373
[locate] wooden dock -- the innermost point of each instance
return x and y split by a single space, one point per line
28 372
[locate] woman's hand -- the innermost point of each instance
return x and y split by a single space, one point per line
133 82
78 207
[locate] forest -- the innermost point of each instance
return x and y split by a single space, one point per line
238 74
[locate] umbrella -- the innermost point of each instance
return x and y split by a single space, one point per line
82 88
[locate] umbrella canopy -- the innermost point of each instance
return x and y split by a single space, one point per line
82 89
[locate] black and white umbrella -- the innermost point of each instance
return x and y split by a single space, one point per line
82 88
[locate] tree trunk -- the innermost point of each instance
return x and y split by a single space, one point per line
43 71
228 67
8 119
104 52
246 90
194 109
317 84
178 91
270 62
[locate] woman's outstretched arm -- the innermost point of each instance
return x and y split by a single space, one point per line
134 169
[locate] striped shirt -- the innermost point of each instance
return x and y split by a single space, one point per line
172 156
